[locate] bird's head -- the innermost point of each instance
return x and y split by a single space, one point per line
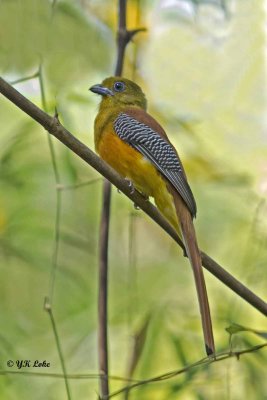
118 91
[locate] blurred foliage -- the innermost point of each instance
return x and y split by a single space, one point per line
201 64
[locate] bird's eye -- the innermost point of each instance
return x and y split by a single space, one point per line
119 86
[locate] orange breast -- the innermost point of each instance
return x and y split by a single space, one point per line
128 162
131 164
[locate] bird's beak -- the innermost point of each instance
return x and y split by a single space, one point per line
103 91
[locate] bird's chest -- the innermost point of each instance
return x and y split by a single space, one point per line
127 161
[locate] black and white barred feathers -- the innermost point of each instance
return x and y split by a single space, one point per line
158 151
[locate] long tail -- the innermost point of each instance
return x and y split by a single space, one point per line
190 242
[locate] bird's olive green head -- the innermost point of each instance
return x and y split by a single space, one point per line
119 92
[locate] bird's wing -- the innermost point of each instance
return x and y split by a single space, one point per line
153 144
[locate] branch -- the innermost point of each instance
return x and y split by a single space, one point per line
123 38
53 126
103 290
172 374
48 308
204 361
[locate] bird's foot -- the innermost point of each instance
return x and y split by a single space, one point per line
131 185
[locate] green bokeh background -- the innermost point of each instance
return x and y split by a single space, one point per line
202 66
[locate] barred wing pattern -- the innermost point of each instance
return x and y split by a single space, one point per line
158 151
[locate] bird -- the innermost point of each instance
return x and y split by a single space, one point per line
133 143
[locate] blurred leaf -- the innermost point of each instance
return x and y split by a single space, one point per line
138 345
181 354
236 328
12 151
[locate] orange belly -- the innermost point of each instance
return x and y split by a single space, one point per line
128 162
131 164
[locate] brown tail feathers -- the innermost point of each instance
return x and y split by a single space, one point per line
190 242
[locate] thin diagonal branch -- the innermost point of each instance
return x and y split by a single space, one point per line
63 187
53 126
58 194
49 299
26 78
62 376
168 375
48 308
172 374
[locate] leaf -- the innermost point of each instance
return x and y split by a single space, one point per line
179 349
139 342
236 328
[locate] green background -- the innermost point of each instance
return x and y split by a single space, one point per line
202 67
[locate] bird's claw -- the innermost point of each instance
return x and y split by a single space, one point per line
131 185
